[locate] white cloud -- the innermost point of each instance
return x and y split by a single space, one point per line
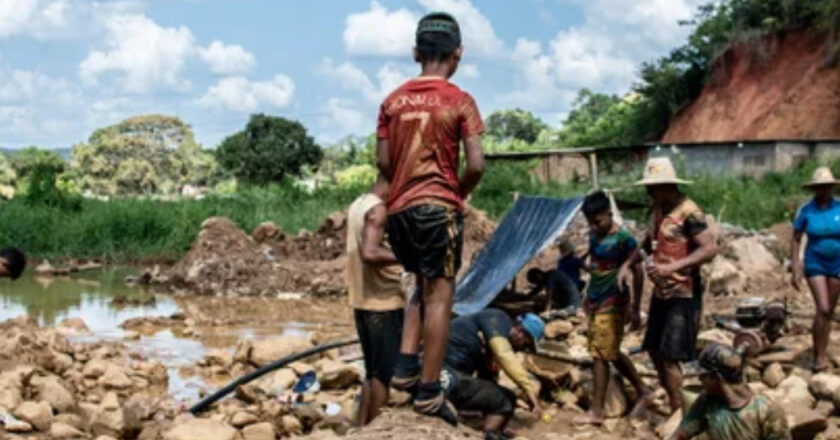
346 118
352 79
65 19
237 93
379 31
225 59
36 106
142 53
468 71
476 29
603 53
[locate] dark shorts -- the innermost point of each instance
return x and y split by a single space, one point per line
672 329
427 240
473 394
380 334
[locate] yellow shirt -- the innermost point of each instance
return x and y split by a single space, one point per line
369 287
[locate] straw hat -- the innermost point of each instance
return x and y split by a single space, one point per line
822 176
658 171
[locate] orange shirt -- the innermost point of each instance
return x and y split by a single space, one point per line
424 121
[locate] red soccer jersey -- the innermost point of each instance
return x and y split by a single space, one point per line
424 121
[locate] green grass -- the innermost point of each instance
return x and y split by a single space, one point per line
133 229
127 229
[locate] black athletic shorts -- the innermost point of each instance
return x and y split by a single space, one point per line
380 335
469 393
672 329
427 240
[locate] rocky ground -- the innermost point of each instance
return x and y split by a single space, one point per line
53 387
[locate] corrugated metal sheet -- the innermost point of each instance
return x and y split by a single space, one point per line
531 225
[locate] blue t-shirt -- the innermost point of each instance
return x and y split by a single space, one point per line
571 266
823 228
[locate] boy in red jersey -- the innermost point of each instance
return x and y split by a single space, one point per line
420 128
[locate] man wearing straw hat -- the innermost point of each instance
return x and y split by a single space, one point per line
679 241
820 220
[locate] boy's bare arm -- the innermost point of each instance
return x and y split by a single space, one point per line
475 166
373 248
383 158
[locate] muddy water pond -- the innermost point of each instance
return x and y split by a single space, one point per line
104 301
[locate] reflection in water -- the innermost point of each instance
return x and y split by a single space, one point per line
88 296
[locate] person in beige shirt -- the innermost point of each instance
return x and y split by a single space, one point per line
376 295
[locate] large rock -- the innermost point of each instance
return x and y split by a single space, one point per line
201 429
259 431
73 325
773 375
267 351
824 386
615 402
62 431
221 358
243 418
37 414
336 374
558 328
724 277
51 390
291 425
115 377
11 390
752 256
108 418
804 423
793 393
95 368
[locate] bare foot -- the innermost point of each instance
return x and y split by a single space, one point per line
589 418
642 403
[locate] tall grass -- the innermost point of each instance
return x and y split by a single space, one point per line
137 229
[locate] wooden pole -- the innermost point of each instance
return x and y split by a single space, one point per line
593 169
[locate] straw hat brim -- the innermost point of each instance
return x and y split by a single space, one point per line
663 181
820 183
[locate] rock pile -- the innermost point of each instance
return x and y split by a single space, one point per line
224 260
51 388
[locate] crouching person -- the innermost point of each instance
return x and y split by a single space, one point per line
477 344
727 409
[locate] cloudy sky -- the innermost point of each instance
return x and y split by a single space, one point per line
70 66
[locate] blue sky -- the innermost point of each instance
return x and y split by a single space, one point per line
68 67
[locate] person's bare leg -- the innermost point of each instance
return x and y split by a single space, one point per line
437 311
407 368
496 422
413 323
822 319
600 380
378 399
671 379
625 366
364 404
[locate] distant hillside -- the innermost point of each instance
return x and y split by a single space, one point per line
781 88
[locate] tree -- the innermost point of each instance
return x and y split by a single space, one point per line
25 160
143 155
269 149
506 125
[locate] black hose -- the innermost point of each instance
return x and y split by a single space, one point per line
280 363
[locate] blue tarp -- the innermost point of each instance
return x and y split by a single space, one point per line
531 225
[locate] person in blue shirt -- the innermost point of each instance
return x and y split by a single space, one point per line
819 219
569 264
